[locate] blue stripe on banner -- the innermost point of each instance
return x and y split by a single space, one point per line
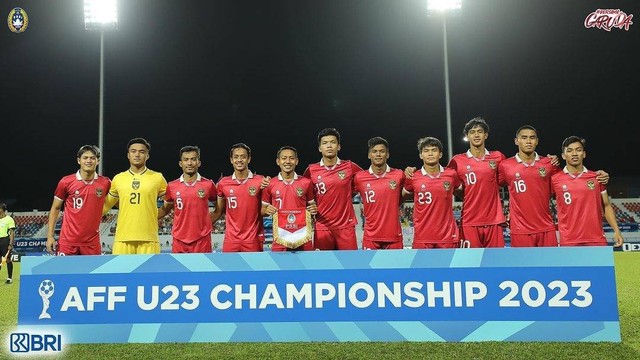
280 332
347 331
143 333
453 330
319 331
497 330
205 332
415 331
611 332
119 264
549 257
175 332
196 262
380 331
251 332
392 259
28 263
573 331
467 258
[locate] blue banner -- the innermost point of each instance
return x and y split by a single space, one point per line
445 295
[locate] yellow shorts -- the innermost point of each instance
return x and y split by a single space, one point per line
135 247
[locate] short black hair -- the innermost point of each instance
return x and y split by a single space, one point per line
287 148
92 148
139 140
328 132
190 148
240 146
377 141
526 127
476 121
574 139
429 141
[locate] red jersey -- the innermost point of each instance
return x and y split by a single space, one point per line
579 204
191 219
433 220
333 188
83 203
243 220
381 195
288 194
479 177
529 193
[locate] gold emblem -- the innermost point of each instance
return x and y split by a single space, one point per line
252 191
201 193
299 191
17 20
542 171
492 164
99 192
342 175
591 184
135 184
447 185
393 184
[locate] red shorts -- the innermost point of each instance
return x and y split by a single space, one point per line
335 239
426 245
308 246
88 249
242 246
591 243
380 245
202 245
542 239
487 236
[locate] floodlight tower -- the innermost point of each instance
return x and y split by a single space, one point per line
441 8
101 15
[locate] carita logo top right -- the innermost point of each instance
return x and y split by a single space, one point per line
607 19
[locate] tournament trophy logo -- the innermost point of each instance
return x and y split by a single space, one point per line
17 20
45 290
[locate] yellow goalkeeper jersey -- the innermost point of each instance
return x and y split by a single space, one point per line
137 197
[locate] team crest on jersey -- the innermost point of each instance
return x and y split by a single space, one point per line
99 192
393 184
591 184
564 188
342 175
135 184
492 164
252 191
447 185
423 186
299 191
542 172
201 193
517 175
468 167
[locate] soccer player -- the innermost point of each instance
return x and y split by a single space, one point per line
332 178
432 187
581 200
7 239
239 196
189 197
381 190
136 191
288 191
83 195
477 169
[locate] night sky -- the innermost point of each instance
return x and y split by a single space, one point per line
274 73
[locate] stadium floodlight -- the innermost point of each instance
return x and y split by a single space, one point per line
101 15
442 7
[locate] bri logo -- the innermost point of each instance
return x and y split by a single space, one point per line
35 343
